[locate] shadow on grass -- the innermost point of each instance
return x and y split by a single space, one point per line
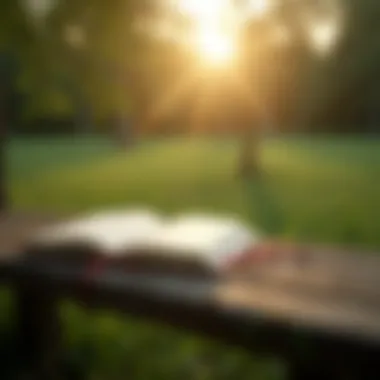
263 208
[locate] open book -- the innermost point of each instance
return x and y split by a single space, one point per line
146 241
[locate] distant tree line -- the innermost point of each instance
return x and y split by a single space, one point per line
86 68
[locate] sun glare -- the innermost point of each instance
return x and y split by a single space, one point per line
259 8
214 24
212 36
203 10
324 36
215 47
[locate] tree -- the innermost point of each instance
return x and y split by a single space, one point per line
274 56
341 91
305 64
14 38
37 42
95 54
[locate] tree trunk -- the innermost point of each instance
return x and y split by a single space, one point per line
85 120
248 164
124 129
3 159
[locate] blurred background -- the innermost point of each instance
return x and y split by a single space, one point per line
265 109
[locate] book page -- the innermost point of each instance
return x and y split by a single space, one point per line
112 233
202 240
213 241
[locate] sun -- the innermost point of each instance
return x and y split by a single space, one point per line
215 47
203 9
215 23
211 36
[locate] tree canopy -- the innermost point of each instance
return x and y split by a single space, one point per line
126 58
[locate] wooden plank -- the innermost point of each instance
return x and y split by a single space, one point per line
326 297
255 302
38 328
16 229
319 286
262 325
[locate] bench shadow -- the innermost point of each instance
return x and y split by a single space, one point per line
264 209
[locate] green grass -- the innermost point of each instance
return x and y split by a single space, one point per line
321 190
30 157
314 190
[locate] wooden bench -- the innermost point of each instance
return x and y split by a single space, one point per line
325 300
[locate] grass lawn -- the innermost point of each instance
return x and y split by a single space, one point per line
324 190
312 189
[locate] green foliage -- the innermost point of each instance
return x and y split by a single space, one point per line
54 74
347 78
111 348
14 27
114 69
49 102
